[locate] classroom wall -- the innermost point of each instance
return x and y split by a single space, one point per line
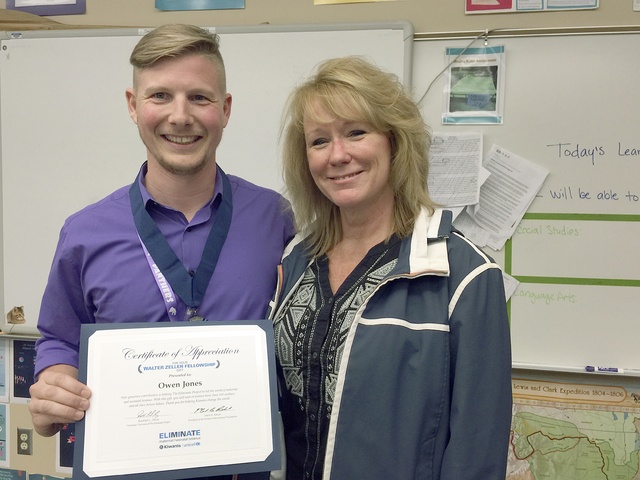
43 459
426 15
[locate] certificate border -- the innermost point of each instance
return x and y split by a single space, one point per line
272 462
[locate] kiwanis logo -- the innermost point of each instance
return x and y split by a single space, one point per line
194 444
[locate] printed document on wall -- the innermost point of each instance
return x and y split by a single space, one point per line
455 161
509 6
504 198
474 86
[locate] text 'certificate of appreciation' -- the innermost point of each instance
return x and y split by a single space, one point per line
177 400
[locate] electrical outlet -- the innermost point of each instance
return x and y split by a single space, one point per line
636 5
25 441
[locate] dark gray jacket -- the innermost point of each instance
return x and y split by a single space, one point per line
424 387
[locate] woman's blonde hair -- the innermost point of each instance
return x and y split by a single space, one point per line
354 89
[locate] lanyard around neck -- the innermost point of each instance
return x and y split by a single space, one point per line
190 288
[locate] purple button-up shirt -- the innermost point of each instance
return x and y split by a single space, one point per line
100 273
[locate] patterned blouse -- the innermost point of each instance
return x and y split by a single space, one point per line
310 333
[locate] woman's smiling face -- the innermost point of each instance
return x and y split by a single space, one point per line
349 161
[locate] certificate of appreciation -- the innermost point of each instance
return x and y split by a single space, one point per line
177 400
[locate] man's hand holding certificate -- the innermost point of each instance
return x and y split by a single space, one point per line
181 400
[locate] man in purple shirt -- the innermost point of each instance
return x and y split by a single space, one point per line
227 233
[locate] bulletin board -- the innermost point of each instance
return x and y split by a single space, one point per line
571 105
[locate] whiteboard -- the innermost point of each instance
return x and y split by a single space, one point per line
67 139
572 105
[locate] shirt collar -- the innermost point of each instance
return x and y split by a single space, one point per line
147 197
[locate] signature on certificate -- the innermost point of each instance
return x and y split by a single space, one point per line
219 408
